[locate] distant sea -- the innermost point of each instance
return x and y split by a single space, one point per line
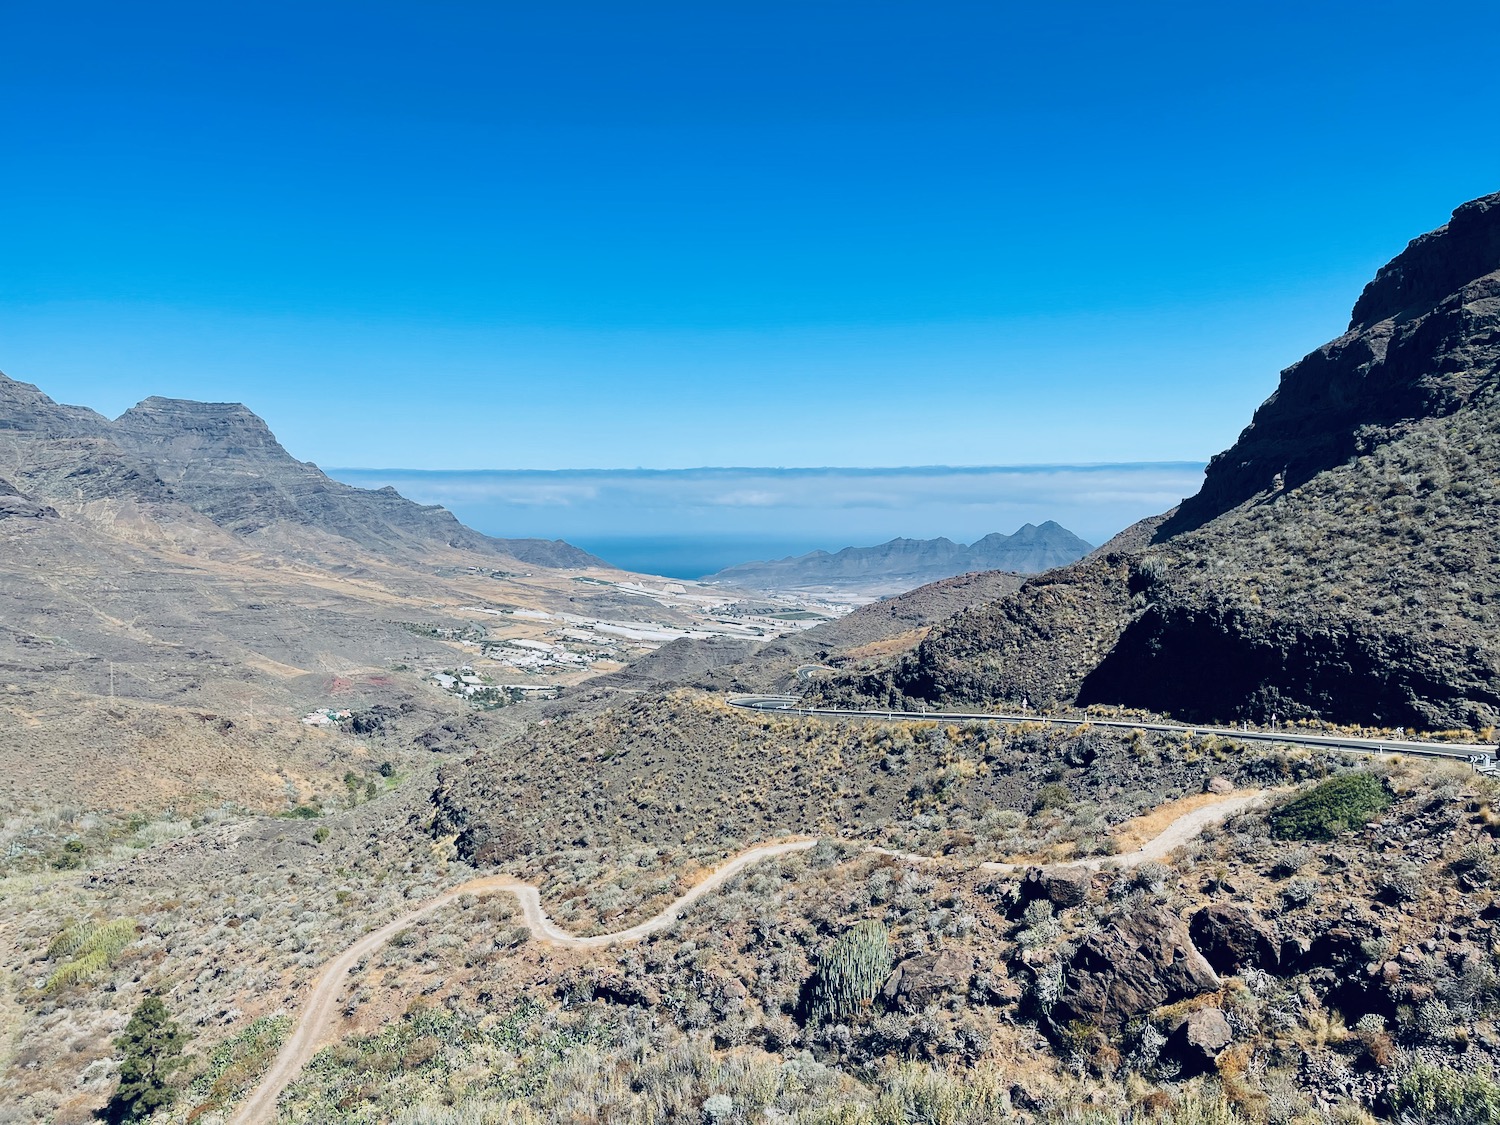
685 523
678 556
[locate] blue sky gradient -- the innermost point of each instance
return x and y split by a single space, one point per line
503 235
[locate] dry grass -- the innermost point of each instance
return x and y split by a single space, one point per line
891 646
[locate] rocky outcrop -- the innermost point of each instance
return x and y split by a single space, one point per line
1232 938
13 505
1061 886
1133 966
926 978
1198 1039
1337 564
1410 352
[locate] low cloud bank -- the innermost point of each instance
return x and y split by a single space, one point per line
792 508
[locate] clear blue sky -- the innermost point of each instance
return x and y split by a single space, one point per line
503 235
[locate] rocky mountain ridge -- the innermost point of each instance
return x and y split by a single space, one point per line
904 564
222 461
1340 561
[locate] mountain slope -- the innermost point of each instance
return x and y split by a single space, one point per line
903 564
222 460
1340 561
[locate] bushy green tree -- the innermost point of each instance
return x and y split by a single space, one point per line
152 1044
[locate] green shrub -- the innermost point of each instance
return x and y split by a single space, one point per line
1431 1093
1330 808
1052 796
850 973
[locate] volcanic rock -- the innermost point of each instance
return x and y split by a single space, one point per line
1061 886
925 978
1198 1039
1136 964
1232 938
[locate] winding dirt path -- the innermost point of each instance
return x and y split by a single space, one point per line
319 1013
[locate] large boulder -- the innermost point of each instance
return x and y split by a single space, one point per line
1198 1039
926 978
1061 886
1133 966
1232 938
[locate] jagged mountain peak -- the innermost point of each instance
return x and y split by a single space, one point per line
24 408
222 460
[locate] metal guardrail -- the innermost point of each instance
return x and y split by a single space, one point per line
1481 755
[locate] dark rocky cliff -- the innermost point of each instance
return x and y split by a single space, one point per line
1341 560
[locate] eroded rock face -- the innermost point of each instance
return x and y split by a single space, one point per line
1336 563
1135 965
1232 938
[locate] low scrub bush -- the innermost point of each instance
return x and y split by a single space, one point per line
1427 1092
1333 807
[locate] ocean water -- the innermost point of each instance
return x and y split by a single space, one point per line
684 556
686 523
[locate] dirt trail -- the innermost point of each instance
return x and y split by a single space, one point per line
322 1002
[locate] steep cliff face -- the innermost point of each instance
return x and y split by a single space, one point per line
1341 560
1421 344
223 461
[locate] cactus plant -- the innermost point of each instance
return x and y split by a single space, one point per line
850 972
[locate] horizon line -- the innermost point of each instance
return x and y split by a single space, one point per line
1036 466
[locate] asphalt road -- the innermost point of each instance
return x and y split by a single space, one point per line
1463 751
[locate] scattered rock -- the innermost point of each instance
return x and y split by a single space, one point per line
1219 785
1061 886
1198 1039
921 980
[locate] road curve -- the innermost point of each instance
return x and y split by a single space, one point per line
1464 751
319 1012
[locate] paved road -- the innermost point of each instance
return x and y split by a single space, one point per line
1464 751
319 1013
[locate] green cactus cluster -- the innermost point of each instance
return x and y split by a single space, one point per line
85 949
850 972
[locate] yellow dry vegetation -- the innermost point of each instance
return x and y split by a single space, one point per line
890 646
